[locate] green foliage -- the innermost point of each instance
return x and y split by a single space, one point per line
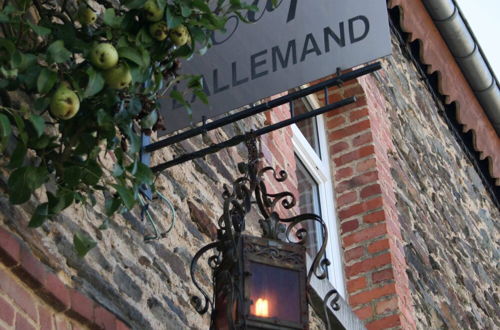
85 139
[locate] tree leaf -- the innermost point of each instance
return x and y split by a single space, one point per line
150 120
91 173
176 95
95 84
46 80
173 20
57 53
131 54
104 225
201 95
83 244
134 139
111 19
72 176
18 155
201 5
38 124
184 51
23 181
185 10
134 4
111 205
143 173
5 127
39 216
60 201
8 45
127 196
40 30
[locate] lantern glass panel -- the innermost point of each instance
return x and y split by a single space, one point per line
274 292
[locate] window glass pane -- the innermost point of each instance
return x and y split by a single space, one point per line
309 203
274 292
309 127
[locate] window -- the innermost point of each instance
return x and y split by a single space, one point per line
315 186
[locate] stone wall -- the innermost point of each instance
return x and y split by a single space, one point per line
147 285
449 221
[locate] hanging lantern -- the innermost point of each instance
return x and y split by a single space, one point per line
260 282
269 281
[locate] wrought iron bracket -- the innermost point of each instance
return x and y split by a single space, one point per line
148 147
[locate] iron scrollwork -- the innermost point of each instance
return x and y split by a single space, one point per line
247 190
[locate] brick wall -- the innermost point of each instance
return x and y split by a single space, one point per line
360 141
32 297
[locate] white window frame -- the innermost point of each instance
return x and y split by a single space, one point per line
319 169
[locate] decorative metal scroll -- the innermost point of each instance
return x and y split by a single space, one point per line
247 190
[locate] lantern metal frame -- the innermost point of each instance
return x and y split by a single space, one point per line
229 258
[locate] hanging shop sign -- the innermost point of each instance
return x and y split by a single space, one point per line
289 45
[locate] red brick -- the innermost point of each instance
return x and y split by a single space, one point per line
343 173
374 217
45 318
104 319
62 323
82 308
22 323
370 191
31 270
367 296
382 275
332 98
360 102
385 306
355 253
350 130
56 293
353 89
385 323
6 312
121 326
335 122
360 208
365 234
364 312
349 226
368 264
78 326
378 246
357 181
354 155
10 249
18 293
362 139
358 114
356 284
338 147
347 198
366 165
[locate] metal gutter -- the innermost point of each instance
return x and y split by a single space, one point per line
463 45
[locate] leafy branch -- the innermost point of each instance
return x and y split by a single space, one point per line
80 84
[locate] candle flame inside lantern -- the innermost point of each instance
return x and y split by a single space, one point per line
262 308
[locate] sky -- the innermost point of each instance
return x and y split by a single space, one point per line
482 16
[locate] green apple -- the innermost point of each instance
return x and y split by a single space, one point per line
180 35
104 56
86 16
154 12
118 77
64 103
159 30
